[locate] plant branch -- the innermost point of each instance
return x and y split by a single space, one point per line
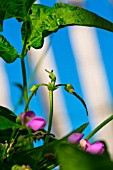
51 110
32 94
50 116
99 127
23 53
25 92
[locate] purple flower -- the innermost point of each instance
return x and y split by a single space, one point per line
32 121
75 137
95 148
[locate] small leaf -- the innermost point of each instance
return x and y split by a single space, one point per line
14 8
46 20
7 124
7 51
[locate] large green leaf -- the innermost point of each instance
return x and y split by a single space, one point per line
70 158
46 20
5 112
7 124
14 8
7 51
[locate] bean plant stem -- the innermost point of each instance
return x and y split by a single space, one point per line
51 110
23 53
99 127
25 92
49 125
50 116
32 94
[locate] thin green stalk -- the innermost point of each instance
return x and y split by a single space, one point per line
32 94
99 127
11 141
23 53
51 110
25 92
50 116
49 125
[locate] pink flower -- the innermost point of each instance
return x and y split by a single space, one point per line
32 121
96 148
75 137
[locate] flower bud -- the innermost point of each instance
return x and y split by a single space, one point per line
69 88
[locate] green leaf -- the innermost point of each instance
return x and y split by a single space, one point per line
5 112
71 158
46 20
7 51
14 8
7 124
28 3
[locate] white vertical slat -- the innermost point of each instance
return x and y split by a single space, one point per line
4 87
93 79
61 121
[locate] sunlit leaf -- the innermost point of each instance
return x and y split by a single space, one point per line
14 8
46 20
7 51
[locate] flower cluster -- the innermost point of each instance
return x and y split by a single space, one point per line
95 148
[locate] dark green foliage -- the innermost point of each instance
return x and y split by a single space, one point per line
14 9
5 112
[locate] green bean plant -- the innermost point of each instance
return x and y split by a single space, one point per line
18 133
